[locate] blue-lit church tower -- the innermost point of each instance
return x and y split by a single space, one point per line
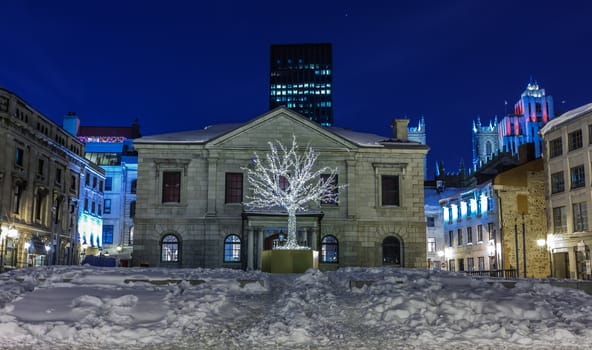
531 113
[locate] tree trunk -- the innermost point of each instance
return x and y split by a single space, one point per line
291 229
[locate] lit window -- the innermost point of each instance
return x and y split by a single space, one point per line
329 250
431 245
232 248
169 249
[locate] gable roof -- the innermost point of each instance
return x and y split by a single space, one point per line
220 132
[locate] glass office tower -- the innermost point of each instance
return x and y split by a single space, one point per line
301 78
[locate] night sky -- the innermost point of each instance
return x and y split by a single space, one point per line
179 65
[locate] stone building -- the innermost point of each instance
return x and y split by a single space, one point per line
520 193
40 173
567 154
191 186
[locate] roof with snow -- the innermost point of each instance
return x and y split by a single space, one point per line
212 132
567 117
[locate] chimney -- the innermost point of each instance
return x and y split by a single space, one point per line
71 123
400 131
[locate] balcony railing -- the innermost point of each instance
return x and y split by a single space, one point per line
507 274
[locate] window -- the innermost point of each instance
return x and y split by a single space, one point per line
578 178
557 182
94 182
391 251
132 209
234 188
133 186
590 133
232 248
19 157
479 233
390 190
87 179
73 183
108 183
39 202
101 186
469 234
284 183
451 265
93 206
481 263
574 140
580 217
40 166
107 234
450 238
459 234
431 245
470 264
331 196
329 250
491 231
559 220
58 176
171 187
555 148
431 221
107 203
169 249
100 211
85 204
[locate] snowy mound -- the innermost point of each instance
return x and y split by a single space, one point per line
352 308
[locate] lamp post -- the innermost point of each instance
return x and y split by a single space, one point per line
27 246
524 244
47 249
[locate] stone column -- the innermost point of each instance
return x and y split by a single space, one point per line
259 248
250 251
315 237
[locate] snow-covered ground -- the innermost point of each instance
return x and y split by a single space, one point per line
352 308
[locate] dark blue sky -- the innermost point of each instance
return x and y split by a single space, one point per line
179 65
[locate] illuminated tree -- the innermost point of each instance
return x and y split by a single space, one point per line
286 178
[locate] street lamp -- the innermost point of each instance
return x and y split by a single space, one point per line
47 249
27 246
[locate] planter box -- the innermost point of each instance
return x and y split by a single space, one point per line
289 261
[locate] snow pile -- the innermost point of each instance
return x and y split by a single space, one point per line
352 308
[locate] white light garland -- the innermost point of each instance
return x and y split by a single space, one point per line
286 179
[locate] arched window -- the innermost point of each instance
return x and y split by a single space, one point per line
169 249
391 251
329 250
232 248
488 149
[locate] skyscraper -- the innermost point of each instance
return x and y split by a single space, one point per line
301 78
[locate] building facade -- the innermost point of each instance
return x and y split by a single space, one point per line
111 147
520 193
471 230
301 79
567 155
191 187
531 112
40 174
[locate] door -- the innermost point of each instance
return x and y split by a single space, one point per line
560 265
